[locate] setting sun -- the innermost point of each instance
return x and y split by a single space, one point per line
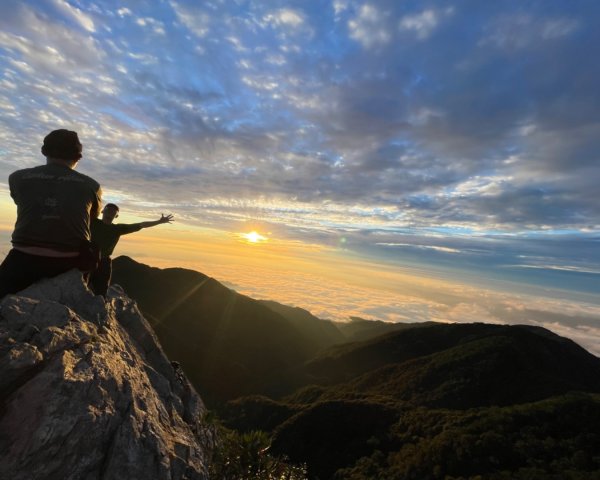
254 237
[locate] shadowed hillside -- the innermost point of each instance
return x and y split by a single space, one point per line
228 344
462 365
323 333
358 329
511 367
407 407
553 439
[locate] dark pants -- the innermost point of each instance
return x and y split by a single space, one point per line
20 269
100 278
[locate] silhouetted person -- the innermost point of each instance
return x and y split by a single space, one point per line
54 207
105 235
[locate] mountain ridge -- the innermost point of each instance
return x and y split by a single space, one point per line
223 339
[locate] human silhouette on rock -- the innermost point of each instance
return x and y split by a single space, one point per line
54 207
106 235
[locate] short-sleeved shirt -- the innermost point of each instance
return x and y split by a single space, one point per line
54 206
106 235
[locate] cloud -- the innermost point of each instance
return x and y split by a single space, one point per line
518 31
565 268
340 6
156 25
586 336
83 19
197 21
285 17
47 47
327 297
425 247
424 23
369 27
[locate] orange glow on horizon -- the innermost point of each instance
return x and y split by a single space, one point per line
217 253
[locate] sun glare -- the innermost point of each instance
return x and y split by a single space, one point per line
254 237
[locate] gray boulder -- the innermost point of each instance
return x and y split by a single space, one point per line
86 391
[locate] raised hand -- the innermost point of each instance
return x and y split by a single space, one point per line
166 218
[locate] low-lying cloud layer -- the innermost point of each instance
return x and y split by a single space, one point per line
448 302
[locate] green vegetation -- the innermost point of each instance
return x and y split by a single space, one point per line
376 437
258 412
246 456
552 439
420 401
460 401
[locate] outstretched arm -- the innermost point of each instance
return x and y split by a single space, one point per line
162 219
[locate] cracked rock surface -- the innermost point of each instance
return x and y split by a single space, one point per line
87 393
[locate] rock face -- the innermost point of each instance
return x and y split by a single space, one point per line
87 393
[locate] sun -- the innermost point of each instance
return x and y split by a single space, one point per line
254 237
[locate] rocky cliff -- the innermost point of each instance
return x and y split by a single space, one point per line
87 393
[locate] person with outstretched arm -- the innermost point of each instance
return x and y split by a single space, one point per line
105 235
54 207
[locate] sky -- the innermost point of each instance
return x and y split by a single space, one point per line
402 160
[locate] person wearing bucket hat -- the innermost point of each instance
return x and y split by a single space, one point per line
55 205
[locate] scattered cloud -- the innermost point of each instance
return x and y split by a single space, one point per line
437 248
369 27
340 6
285 17
156 26
424 23
564 268
523 30
194 19
83 19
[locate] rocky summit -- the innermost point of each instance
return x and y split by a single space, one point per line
87 393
